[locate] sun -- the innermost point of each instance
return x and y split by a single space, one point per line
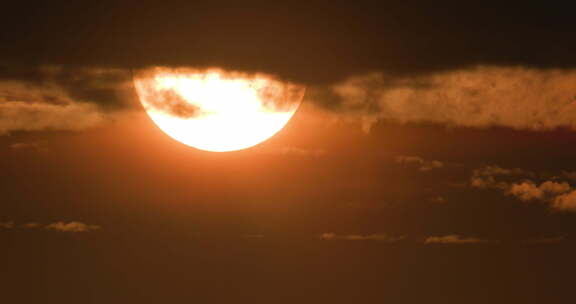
217 110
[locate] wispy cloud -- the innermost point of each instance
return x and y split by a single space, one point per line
253 236
360 237
422 164
547 240
453 239
6 225
316 153
73 227
35 146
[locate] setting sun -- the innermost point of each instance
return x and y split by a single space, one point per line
215 110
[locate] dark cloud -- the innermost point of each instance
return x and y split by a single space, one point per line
109 88
316 43
54 98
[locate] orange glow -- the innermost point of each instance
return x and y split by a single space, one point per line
214 110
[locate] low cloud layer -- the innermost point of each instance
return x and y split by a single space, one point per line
481 97
63 98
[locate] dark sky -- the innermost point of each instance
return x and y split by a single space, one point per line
316 41
432 159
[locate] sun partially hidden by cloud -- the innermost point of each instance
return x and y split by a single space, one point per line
217 110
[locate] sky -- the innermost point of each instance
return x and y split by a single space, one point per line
431 159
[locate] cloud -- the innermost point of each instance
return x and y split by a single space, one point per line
61 99
565 202
253 236
453 239
295 151
57 226
479 97
486 177
559 195
328 236
548 240
438 200
24 116
72 227
424 165
6 225
29 146
360 237
31 226
528 190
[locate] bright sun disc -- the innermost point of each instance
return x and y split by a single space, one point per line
214 110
